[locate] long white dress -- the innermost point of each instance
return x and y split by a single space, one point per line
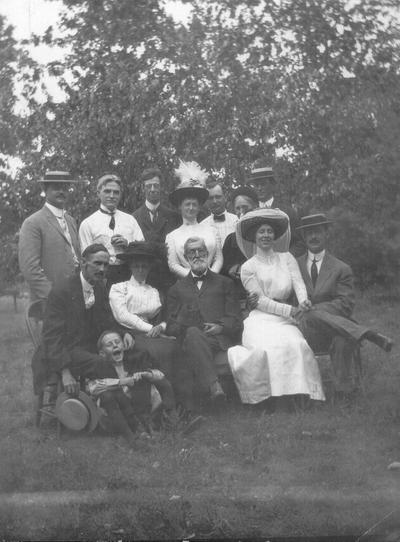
274 358
176 240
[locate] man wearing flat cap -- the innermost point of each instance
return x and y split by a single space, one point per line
328 324
262 180
111 227
48 242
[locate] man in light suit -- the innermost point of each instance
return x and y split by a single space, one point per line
203 313
328 323
48 241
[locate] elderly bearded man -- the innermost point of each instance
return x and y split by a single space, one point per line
204 314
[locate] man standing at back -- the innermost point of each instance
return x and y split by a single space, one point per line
48 241
222 222
155 219
111 227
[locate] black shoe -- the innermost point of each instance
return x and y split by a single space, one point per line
386 343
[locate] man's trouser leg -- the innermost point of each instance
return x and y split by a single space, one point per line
120 412
200 350
321 337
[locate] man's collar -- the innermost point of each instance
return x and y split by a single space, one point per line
202 275
318 256
59 213
87 287
152 206
107 211
220 217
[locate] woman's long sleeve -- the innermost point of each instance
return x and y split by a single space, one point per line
173 259
265 303
297 280
120 310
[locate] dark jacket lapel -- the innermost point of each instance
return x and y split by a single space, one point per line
324 272
52 220
306 276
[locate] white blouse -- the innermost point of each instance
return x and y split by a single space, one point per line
134 304
273 277
177 238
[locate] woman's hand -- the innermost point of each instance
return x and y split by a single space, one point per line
155 331
129 341
234 271
295 312
305 305
252 301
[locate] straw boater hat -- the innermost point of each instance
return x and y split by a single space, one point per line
310 221
58 177
251 221
265 173
192 183
77 413
138 249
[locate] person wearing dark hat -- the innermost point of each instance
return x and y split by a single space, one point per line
110 226
204 316
76 313
244 199
137 307
274 359
188 197
48 248
330 287
262 180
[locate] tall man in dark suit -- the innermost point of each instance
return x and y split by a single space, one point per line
204 314
262 180
77 312
48 248
328 323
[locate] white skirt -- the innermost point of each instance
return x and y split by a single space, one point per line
274 360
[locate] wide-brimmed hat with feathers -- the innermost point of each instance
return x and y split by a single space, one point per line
192 183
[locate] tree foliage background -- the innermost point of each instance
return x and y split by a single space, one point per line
312 86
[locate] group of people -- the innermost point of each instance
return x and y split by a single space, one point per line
148 307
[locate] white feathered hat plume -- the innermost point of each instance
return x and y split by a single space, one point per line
191 174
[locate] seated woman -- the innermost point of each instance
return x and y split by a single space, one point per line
188 197
275 359
137 306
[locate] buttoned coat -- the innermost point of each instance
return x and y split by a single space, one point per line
167 220
44 253
215 302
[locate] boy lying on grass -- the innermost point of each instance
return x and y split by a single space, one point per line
123 387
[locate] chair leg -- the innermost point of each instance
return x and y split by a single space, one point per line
39 409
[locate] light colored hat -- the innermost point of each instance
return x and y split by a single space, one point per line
77 413
310 221
192 183
58 177
265 173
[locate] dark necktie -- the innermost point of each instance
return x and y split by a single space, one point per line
314 272
153 214
219 218
112 221
197 279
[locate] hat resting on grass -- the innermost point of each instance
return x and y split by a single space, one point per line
77 413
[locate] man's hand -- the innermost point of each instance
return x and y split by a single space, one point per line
212 329
234 271
155 331
119 241
252 301
71 386
129 341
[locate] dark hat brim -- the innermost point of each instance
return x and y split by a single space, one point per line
179 194
88 403
140 249
133 254
249 227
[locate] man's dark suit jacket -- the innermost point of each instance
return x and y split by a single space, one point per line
215 302
155 232
67 325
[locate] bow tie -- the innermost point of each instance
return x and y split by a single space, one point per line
112 221
199 279
219 218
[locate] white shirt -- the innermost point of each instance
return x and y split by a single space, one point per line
96 229
134 304
59 214
199 283
266 204
319 257
152 206
177 238
222 228
88 292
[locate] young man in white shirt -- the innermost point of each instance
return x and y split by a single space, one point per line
48 243
111 227
222 222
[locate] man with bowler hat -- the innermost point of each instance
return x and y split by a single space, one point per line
328 324
48 243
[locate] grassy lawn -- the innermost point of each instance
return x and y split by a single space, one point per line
243 473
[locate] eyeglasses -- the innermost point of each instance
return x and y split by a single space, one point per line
196 252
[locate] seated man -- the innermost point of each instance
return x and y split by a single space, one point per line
122 383
328 323
203 313
76 314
